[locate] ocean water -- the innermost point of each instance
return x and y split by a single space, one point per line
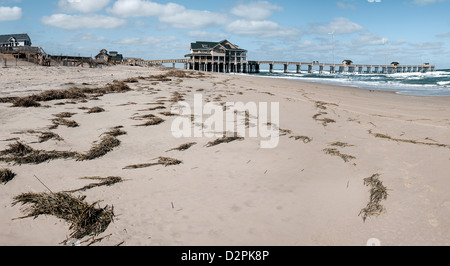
435 83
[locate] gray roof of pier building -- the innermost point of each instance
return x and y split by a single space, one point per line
202 45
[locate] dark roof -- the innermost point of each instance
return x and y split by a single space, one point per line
204 45
210 45
19 37
117 57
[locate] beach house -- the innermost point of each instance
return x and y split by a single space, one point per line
217 57
112 57
14 40
115 57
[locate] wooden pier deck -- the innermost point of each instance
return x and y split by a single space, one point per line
254 67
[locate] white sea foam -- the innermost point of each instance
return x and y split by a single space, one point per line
431 83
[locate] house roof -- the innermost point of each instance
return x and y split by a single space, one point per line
19 37
201 45
117 57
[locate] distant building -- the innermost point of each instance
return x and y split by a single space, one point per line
14 40
115 58
132 60
217 57
102 57
347 62
112 57
394 64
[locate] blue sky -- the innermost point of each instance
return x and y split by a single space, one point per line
365 31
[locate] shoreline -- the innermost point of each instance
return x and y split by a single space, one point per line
311 190
393 90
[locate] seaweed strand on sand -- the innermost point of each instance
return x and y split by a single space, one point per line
334 152
73 94
6 175
20 153
183 147
85 219
224 139
108 181
106 145
164 161
378 193
384 136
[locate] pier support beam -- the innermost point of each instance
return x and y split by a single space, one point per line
360 69
310 69
341 69
286 66
321 69
299 69
271 68
332 69
351 69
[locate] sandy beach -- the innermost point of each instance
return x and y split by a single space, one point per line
308 191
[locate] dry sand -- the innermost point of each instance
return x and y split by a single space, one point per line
235 193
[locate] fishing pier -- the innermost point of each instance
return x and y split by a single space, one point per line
255 66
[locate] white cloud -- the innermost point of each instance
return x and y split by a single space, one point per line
90 37
203 35
153 40
173 14
74 22
85 6
194 19
10 13
368 39
337 25
141 8
261 10
443 35
427 45
426 2
344 6
262 29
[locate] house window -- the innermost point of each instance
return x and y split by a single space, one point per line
13 42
